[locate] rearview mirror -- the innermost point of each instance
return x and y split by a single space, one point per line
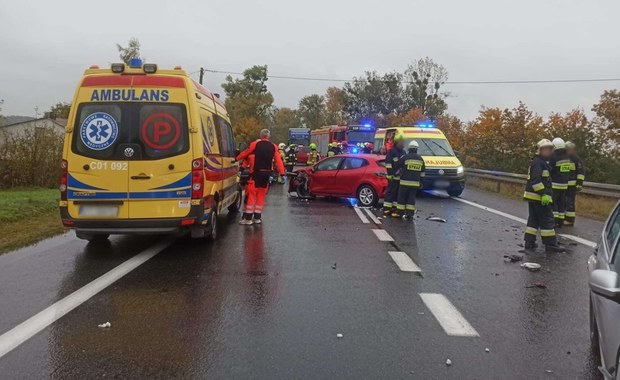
605 283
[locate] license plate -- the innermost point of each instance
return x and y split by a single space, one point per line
442 184
99 211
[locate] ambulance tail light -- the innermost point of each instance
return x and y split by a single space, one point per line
198 179
149 68
64 174
118 68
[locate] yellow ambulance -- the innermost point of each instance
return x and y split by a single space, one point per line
444 171
146 151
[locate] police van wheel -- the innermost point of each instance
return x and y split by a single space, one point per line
236 206
367 196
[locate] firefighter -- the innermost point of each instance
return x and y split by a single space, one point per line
575 182
538 193
412 169
333 149
313 156
391 193
560 173
291 157
282 152
265 154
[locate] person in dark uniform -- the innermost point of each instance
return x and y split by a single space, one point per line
391 194
412 169
291 157
575 183
560 173
538 194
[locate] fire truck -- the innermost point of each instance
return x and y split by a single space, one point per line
354 135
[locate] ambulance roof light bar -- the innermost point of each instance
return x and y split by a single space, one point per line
118 68
135 63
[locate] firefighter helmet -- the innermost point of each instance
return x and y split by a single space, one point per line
413 145
544 143
313 146
399 137
281 146
570 145
558 143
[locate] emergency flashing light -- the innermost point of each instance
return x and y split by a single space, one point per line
149 68
118 68
135 63
429 125
367 125
355 150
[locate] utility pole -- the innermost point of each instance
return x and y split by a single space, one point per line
202 74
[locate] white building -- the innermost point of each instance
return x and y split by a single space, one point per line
17 129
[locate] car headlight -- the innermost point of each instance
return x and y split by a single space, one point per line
460 170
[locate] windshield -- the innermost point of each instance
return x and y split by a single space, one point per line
432 147
153 130
360 137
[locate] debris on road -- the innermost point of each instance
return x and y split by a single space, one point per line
448 362
548 371
436 219
538 285
105 325
420 313
512 258
339 336
487 350
533 267
334 266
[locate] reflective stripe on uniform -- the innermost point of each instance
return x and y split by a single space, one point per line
561 162
388 166
571 214
389 176
531 230
558 215
547 233
572 182
404 182
395 178
400 207
581 177
545 173
538 186
387 204
531 196
559 186
410 207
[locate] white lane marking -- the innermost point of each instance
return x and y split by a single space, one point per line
361 215
27 329
404 262
450 319
382 235
577 239
372 216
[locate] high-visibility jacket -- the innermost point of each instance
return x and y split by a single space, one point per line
560 170
577 171
265 154
313 157
538 180
412 169
391 158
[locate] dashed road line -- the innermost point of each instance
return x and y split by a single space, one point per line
372 216
382 235
404 262
30 327
577 239
361 215
450 319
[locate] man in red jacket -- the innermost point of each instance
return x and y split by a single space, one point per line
265 153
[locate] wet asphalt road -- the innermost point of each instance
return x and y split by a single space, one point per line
268 301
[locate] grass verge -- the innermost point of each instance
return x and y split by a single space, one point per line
591 206
27 216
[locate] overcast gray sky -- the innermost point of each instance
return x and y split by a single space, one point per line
46 45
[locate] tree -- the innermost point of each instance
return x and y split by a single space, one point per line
335 99
283 119
59 111
248 98
607 120
312 111
374 97
424 79
131 51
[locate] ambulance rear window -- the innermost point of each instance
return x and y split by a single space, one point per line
130 131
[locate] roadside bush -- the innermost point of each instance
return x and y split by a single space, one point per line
31 158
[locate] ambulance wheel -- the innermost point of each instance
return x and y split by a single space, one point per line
455 192
92 238
236 206
367 196
212 228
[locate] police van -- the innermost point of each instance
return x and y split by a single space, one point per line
444 171
146 151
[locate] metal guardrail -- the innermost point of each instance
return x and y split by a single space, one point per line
593 188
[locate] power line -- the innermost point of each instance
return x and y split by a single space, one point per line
527 81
